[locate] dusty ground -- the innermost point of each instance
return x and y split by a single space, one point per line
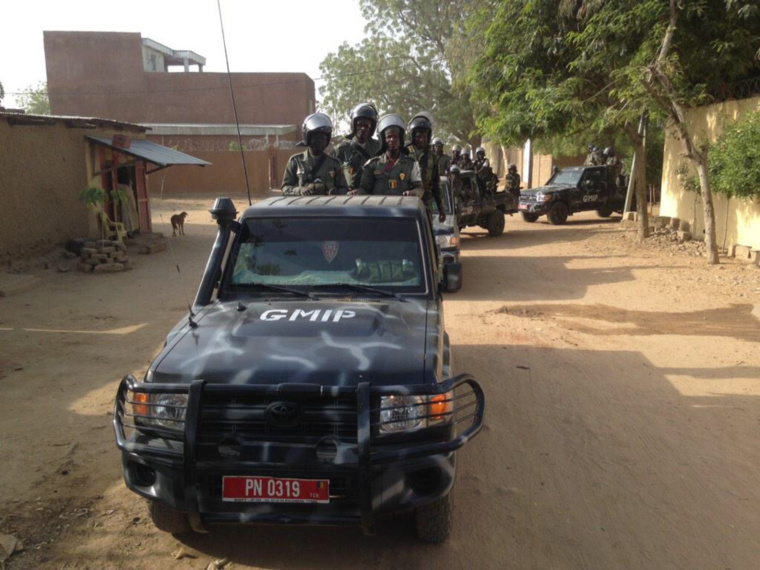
623 390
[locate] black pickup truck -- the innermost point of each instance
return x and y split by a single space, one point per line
477 207
575 189
311 383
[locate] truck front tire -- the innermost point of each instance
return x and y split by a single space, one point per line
495 223
529 217
604 212
434 521
558 214
167 519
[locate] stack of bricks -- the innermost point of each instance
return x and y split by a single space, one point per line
103 256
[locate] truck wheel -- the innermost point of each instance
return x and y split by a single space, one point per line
434 521
528 217
167 519
604 212
495 223
558 214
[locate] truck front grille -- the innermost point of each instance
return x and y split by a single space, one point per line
255 417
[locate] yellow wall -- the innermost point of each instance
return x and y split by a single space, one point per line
737 221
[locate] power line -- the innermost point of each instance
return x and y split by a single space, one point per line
243 86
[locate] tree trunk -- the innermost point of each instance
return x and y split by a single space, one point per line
640 189
668 100
709 211
639 177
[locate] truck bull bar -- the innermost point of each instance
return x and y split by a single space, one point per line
460 400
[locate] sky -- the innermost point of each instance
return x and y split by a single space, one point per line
262 35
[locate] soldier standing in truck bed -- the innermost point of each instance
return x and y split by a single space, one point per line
393 172
421 129
313 172
360 146
513 181
444 160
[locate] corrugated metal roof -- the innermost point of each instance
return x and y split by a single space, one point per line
69 121
152 152
208 129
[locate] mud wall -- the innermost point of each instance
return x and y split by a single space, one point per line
43 168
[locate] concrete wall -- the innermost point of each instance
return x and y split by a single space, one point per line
737 221
44 168
100 74
223 176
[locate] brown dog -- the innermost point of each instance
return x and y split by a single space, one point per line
178 223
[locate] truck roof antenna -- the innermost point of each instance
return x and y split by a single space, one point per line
234 107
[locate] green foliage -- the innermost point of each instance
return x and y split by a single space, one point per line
2 92
655 150
414 59
734 159
92 196
35 100
575 68
687 177
234 146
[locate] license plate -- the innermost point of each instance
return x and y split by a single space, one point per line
522 207
275 490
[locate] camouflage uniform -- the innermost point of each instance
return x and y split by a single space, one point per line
513 183
403 176
444 163
429 171
353 156
594 158
309 175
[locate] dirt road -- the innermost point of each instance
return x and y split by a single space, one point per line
623 390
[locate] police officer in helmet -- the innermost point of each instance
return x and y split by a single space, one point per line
513 181
392 172
421 128
482 167
456 155
444 160
313 172
360 146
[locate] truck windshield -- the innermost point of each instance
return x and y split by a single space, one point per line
290 252
567 177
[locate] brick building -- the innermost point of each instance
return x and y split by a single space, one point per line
125 77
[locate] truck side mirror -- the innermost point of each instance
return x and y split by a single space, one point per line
452 276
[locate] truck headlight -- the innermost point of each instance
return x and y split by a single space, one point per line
158 410
407 413
541 197
447 241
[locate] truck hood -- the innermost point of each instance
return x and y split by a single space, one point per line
547 189
444 228
327 341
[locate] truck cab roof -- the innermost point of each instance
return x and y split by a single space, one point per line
310 206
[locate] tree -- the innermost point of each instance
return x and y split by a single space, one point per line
733 161
412 60
595 65
705 45
35 100
2 93
549 74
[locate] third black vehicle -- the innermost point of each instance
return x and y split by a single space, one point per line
575 189
477 207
